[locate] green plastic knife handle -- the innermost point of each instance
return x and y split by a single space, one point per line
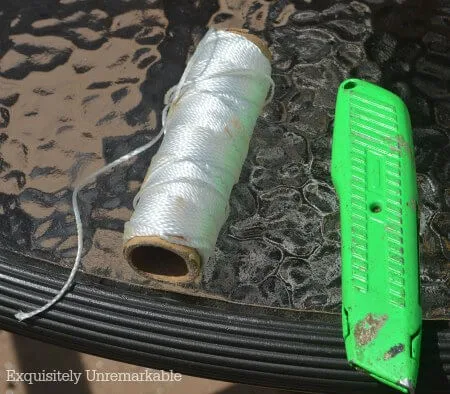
374 174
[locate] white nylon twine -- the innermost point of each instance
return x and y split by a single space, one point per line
208 121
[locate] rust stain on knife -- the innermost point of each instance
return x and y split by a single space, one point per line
393 351
366 330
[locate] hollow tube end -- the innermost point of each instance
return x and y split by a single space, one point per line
156 258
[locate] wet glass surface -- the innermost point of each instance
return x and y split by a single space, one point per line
82 82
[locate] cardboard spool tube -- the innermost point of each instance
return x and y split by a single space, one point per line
156 258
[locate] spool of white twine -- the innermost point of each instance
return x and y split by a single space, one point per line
184 198
208 122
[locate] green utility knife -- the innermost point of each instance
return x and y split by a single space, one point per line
374 174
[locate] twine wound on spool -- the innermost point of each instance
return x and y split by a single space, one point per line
183 202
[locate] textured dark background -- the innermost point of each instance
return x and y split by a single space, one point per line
82 82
